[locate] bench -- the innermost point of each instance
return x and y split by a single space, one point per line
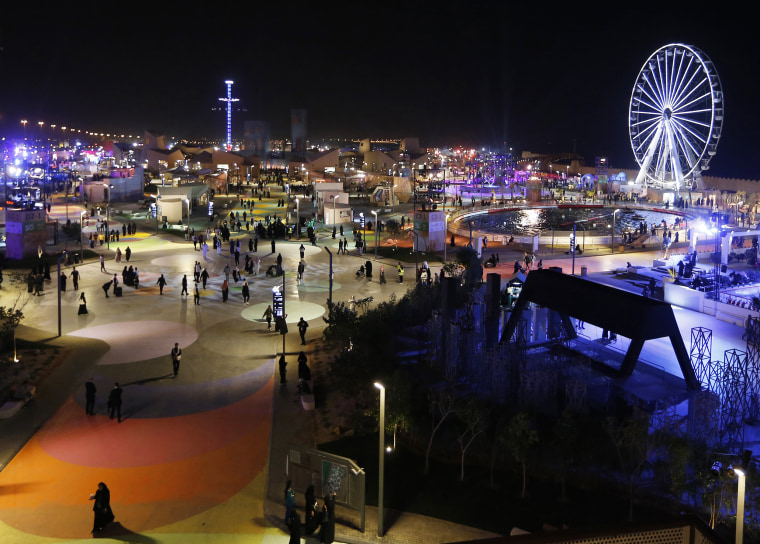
306 393
9 408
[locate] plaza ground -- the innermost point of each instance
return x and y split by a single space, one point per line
200 457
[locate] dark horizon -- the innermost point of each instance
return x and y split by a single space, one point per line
476 75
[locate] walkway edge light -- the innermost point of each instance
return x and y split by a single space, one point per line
381 469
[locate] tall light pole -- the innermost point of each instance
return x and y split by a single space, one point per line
376 231
298 217
381 468
334 218
612 245
445 235
739 505
59 292
108 215
229 101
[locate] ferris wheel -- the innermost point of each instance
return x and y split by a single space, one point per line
675 116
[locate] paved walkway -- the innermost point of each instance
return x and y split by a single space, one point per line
194 455
199 457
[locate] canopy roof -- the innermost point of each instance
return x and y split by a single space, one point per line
633 316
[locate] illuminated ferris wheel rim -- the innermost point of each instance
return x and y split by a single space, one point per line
675 115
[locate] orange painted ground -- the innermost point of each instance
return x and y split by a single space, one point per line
160 471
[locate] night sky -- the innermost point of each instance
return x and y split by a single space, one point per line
540 77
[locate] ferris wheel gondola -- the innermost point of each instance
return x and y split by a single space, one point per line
675 116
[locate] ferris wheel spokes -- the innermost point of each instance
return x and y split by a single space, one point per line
675 116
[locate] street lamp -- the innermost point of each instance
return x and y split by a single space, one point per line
298 218
108 215
739 505
334 199
445 235
376 231
187 227
612 244
381 453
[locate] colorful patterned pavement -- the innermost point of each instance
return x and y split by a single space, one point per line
189 461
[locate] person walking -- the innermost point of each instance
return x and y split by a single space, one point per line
101 508
256 265
75 278
161 282
102 264
304 372
227 273
197 296
225 291
302 326
246 292
127 253
301 268
268 313
82 304
283 365
302 250
204 277
400 273
184 286
89 396
204 250
114 402
118 254
176 354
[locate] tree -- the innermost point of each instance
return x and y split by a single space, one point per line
634 445
496 430
393 228
472 418
442 404
565 440
10 319
473 273
521 438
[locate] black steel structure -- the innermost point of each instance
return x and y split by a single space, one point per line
621 312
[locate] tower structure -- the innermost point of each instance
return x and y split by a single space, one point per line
229 101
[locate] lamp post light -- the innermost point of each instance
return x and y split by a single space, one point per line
612 244
572 248
298 218
108 215
187 227
381 467
376 231
334 218
445 235
740 505
59 291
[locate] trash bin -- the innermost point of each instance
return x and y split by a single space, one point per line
584 271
